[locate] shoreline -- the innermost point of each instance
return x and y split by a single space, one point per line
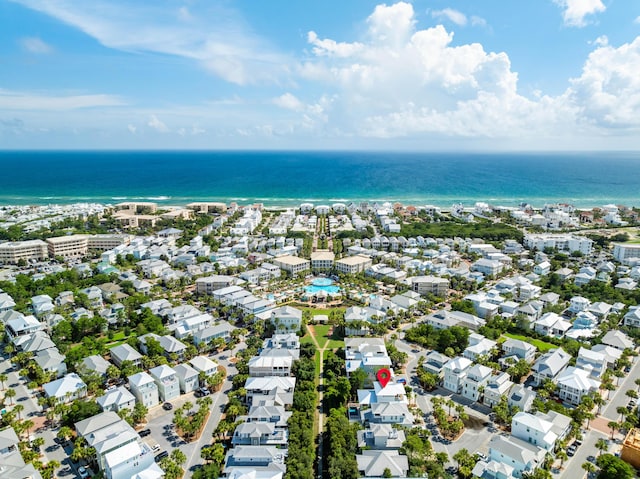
444 203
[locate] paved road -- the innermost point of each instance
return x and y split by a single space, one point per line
24 396
619 398
474 440
572 467
160 422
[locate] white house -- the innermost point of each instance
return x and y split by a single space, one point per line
286 319
167 381
632 318
124 352
578 303
144 389
375 463
51 361
521 397
455 372
516 453
550 365
117 399
66 389
475 380
497 386
187 378
551 324
270 366
519 348
487 267
573 383
478 346
594 362
203 364
120 452
275 388
542 269
533 430
617 339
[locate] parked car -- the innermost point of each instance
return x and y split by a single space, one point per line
201 392
161 455
144 432
571 450
167 406
82 472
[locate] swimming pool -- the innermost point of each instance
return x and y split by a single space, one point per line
322 284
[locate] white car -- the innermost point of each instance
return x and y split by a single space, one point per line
82 471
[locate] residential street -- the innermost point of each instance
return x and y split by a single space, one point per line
618 397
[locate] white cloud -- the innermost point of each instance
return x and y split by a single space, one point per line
405 81
637 20
452 15
214 36
288 102
391 25
156 124
478 21
575 11
601 41
332 48
35 45
132 129
608 90
17 100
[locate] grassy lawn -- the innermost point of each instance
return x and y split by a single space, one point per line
541 345
306 339
324 311
323 338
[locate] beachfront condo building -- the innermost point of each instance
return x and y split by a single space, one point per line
14 251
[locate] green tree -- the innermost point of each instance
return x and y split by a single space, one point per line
10 394
602 445
612 467
65 433
589 467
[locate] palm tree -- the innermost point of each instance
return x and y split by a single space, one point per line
562 455
598 401
65 433
18 408
28 424
637 382
623 411
601 445
589 467
614 426
11 393
38 442
3 379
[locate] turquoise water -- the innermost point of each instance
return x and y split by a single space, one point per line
322 284
288 178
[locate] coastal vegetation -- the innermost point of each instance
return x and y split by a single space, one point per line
486 230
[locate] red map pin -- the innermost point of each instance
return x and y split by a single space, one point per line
384 376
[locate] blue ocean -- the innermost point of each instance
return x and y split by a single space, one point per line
288 178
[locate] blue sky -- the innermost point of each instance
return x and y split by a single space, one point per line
422 75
